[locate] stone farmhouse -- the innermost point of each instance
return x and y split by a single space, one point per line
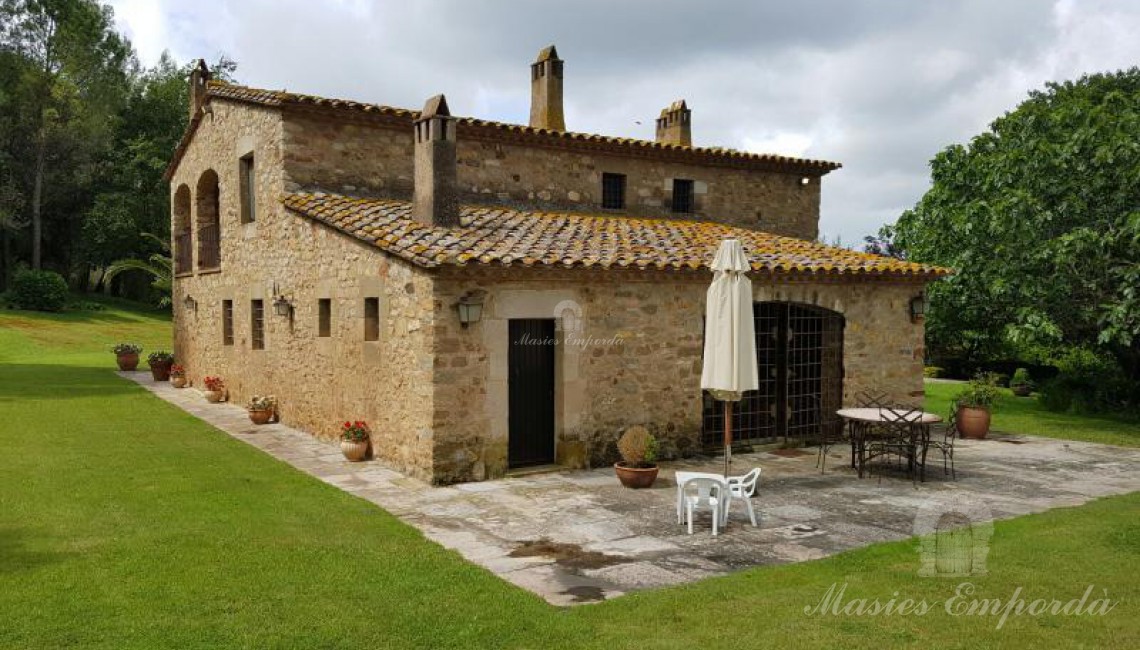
491 296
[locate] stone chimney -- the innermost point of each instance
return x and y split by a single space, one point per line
546 91
198 78
435 196
675 126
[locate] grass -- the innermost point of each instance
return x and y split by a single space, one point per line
126 523
1026 415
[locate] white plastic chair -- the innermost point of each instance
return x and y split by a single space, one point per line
741 488
704 493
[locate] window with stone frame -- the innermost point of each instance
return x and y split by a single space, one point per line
682 195
248 188
371 319
613 191
324 317
257 324
227 322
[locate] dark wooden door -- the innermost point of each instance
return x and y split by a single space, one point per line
530 382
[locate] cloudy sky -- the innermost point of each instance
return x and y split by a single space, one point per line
879 86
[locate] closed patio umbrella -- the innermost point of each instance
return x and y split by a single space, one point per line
730 337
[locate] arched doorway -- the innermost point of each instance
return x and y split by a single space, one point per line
799 359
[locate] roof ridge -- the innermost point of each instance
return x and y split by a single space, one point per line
238 92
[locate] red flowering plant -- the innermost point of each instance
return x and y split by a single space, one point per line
177 370
214 384
354 431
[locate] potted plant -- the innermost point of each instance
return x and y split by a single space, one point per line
975 402
177 376
354 440
215 389
1021 384
160 363
638 449
262 409
127 355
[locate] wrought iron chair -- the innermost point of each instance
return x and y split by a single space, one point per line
942 439
899 436
871 399
863 399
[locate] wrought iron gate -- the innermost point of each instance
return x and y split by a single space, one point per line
799 359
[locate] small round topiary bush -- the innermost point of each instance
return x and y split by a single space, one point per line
38 290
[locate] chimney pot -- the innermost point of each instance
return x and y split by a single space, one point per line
199 77
675 124
435 197
546 91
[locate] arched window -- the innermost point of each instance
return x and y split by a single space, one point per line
209 221
180 228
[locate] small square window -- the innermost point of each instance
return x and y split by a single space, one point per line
248 182
257 324
227 322
682 195
371 319
613 191
324 317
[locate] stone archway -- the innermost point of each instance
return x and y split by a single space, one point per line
181 229
799 358
208 221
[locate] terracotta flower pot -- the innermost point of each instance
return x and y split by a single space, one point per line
161 370
178 382
354 451
973 422
635 477
213 396
128 361
260 416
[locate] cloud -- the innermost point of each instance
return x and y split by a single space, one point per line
880 86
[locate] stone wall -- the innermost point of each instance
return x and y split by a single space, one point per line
641 358
357 157
319 381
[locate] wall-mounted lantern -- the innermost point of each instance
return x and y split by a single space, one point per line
471 307
917 308
189 303
281 304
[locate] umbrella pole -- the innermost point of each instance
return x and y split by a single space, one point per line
727 436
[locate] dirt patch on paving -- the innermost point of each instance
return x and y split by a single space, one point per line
586 594
571 556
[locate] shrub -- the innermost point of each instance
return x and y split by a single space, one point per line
126 348
262 403
1021 378
177 370
933 372
38 290
214 384
1088 382
638 447
981 392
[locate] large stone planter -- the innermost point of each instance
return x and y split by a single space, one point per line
127 361
973 422
354 451
635 477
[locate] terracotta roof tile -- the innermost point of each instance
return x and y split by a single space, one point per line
505 237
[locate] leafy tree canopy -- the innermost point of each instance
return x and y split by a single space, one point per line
1040 215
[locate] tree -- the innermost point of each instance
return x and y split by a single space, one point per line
72 79
1040 215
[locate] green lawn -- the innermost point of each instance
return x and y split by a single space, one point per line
1025 415
125 523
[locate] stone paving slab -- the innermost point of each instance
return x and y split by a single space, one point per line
578 536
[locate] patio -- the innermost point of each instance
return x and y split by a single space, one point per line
577 536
